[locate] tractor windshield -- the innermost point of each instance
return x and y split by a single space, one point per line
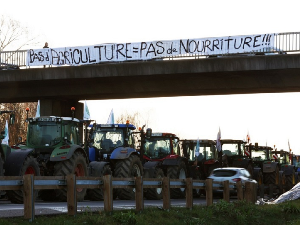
44 133
260 155
107 139
232 149
157 147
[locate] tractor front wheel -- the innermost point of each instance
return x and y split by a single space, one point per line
30 166
75 165
155 193
126 168
177 172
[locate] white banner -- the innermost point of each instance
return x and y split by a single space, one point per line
148 50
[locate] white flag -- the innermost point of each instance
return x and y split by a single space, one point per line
38 114
111 119
197 148
219 146
6 138
86 113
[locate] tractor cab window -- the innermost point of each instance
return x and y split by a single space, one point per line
259 155
157 147
108 138
44 133
230 149
71 133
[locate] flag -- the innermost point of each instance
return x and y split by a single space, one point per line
111 119
86 113
6 138
248 137
197 148
219 146
38 114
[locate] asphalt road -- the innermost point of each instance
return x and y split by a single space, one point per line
8 209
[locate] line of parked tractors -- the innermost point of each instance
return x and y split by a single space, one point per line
54 148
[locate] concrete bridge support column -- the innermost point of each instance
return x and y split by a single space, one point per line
51 107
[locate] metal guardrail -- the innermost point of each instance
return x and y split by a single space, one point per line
284 43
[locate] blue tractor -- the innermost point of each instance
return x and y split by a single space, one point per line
112 151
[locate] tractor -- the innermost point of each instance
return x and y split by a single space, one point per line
53 148
112 151
259 155
4 147
161 157
283 159
233 154
203 153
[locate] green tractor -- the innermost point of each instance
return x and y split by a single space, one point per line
283 159
53 148
4 147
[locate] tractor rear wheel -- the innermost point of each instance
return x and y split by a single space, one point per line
272 178
75 165
96 194
177 172
126 168
30 166
155 193
290 181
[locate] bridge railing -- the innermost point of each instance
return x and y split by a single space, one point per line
284 43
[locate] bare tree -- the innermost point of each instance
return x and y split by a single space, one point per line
13 35
18 130
133 118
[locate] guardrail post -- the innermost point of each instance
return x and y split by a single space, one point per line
28 195
139 197
166 192
239 189
189 192
71 194
226 191
250 192
209 191
108 193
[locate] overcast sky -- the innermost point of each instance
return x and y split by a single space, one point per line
269 118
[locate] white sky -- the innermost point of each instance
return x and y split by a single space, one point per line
269 118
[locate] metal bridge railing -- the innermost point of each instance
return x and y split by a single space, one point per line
284 43
13 59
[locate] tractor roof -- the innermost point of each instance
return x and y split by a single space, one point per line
200 141
232 141
130 126
52 119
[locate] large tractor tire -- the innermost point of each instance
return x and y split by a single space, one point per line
155 193
177 172
272 178
1 166
75 165
2 193
126 168
96 194
30 166
290 181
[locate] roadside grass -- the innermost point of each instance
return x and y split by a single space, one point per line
239 212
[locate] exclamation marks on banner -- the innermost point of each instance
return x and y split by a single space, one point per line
266 39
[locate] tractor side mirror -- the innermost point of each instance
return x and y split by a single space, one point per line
148 132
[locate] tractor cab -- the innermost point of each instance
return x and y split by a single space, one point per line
160 146
49 132
203 153
105 138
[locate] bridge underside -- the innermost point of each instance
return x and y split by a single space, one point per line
212 76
